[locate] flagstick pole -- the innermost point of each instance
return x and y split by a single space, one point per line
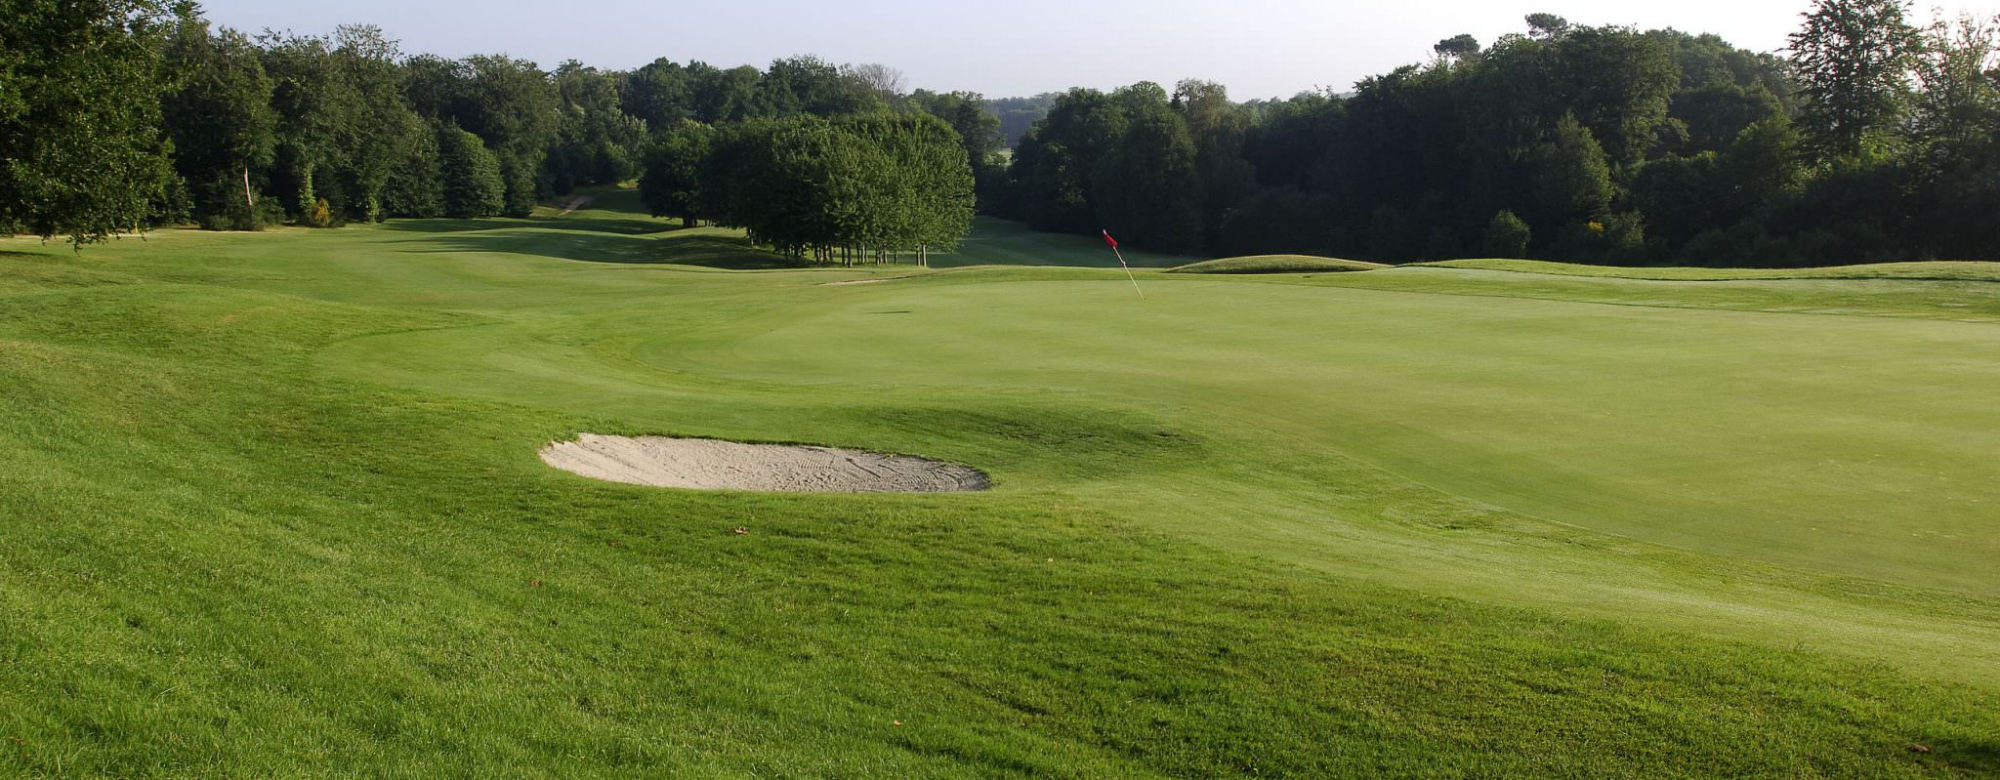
1128 271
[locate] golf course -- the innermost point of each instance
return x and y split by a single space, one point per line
274 507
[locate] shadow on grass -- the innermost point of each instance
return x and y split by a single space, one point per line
666 247
1981 757
624 226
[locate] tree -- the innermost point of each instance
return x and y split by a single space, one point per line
1148 188
978 130
415 187
660 94
1616 82
809 85
221 123
1570 179
1459 47
1053 165
723 95
511 105
382 130
1853 60
886 82
596 142
672 172
1506 237
80 126
1958 112
1544 26
1219 130
472 183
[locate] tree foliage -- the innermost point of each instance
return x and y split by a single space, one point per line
81 140
1853 59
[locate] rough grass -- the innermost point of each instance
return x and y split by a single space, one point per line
1276 264
272 508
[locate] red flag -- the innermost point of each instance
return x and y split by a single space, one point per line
1109 240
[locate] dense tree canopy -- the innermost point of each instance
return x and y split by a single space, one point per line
1871 139
1598 144
82 152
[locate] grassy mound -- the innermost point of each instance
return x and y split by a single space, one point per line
272 504
1275 264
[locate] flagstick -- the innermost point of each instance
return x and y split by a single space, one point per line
1128 271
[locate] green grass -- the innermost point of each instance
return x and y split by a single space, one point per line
272 508
1965 270
1276 264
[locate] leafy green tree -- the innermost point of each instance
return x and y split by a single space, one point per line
674 161
511 105
596 142
723 95
1053 165
660 94
1506 236
1853 61
437 88
221 123
1148 186
382 129
1571 181
978 130
472 183
80 128
415 187
1616 82
809 85
1546 26
1219 130
1459 47
1958 110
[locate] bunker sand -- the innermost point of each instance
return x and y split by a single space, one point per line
708 464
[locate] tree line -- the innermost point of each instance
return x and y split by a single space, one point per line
121 114
1873 139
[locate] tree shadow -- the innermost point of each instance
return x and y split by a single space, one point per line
623 226
666 247
1981 757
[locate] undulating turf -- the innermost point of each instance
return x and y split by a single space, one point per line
272 508
1275 264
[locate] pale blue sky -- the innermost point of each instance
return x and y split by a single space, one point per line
1258 48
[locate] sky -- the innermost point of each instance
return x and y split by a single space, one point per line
1005 48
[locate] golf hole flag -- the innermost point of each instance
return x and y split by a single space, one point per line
1113 243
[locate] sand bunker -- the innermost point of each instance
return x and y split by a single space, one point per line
707 464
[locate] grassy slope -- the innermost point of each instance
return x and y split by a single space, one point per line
272 507
1275 264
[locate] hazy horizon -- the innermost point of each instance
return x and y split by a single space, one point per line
1022 48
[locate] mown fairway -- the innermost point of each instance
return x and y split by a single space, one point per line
272 507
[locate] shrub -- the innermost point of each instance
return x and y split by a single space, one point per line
1507 237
